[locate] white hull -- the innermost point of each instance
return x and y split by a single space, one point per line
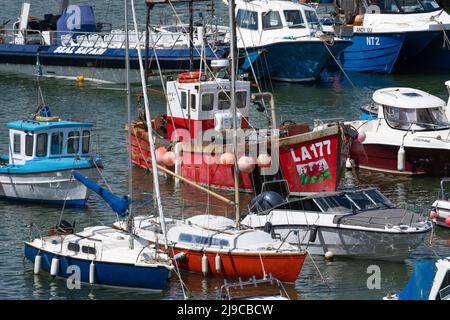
443 210
48 187
355 243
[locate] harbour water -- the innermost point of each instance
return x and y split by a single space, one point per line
333 97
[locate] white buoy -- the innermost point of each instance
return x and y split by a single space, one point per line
37 264
54 267
348 164
329 255
401 159
218 263
204 265
92 273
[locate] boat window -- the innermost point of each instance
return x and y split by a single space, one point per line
220 242
224 101
386 6
183 100
29 141
41 145
191 238
271 20
241 99
362 201
193 101
294 19
247 19
337 203
75 247
88 250
379 198
86 141
312 19
16 147
404 6
207 101
56 143
73 142
422 119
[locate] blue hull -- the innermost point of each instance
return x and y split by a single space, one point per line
415 44
70 203
107 274
294 61
372 52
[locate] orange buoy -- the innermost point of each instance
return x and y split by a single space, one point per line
433 214
358 20
169 158
159 154
188 77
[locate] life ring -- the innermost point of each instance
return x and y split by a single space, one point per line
188 77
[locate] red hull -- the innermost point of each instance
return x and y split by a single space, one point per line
310 162
284 267
418 160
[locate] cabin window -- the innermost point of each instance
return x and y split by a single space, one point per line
421 119
17 140
193 101
192 238
294 19
312 19
29 141
73 142
386 6
75 247
207 101
247 19
41 145
88 250
224 101
56 143
241 99
86 141
271 20
338 203
183 100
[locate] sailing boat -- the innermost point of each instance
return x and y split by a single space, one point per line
102 255
216 245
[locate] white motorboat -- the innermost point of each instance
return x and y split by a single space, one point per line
430 281
410 134
360 224
440 213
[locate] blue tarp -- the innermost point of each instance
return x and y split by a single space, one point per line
419 285
76 18
118 204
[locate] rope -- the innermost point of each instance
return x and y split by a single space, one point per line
184 287
339 65
318 271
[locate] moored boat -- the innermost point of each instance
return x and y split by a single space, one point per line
360 224
283 40
42 155
410 134
440 212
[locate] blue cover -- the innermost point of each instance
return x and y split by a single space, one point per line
419 285
118 204
76 18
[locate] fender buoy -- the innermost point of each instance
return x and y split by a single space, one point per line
188 77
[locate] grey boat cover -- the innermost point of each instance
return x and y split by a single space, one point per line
379 218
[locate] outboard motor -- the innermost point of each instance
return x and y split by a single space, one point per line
265 201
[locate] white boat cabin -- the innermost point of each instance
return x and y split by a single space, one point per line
38 140
264 22
196 105
411 109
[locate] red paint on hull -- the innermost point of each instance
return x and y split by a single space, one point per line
284 267
432 162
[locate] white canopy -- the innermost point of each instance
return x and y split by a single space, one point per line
407 98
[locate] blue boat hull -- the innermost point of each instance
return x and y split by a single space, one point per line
291 61
107 274
374 52
69 203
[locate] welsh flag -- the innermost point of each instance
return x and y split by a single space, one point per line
313 172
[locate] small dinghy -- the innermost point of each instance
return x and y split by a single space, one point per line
440 212
355 223
254 289
429 281
43 152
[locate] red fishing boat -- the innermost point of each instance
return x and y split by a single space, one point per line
195 135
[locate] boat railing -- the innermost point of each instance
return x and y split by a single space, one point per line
36 229
115 39
225 294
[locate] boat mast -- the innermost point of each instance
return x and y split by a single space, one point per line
130 168
233 107
149 128
191 35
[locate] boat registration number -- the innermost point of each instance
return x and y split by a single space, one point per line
314 150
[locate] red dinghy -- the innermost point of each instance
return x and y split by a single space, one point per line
198 108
